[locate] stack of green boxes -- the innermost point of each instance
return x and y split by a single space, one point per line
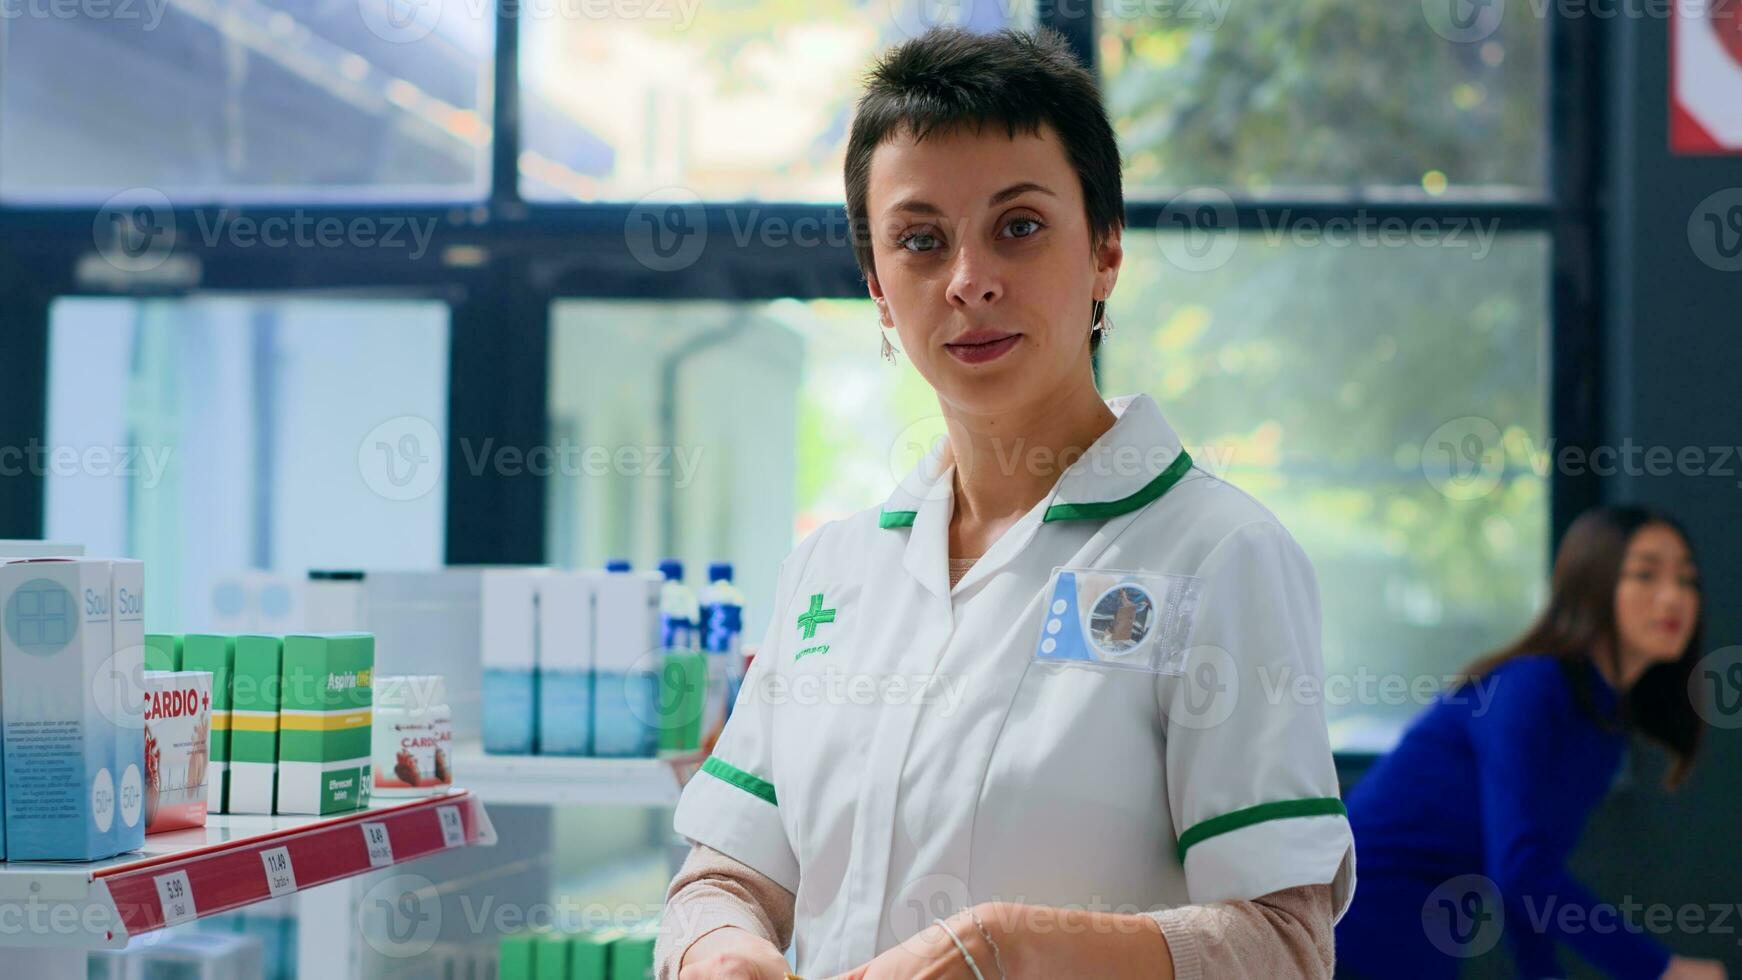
216 655
291 717
254 689
596 954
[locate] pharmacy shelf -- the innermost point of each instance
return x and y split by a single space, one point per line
545 780
233 861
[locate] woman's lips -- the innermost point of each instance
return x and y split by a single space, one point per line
978 348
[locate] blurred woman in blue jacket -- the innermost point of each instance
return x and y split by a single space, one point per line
1462 832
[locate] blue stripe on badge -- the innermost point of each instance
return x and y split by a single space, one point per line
1061 633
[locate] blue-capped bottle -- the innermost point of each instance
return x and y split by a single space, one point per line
722 640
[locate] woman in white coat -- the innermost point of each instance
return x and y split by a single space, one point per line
1016 721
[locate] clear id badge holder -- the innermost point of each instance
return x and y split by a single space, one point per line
1109 618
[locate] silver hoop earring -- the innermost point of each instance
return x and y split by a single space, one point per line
888 348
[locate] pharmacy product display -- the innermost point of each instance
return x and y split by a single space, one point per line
178 725
163 651
508 617
413 736
290 718
722 632
683 680
599 954
564 610
215 653
127 672
65 747
626 645
255 687
324 723
609 664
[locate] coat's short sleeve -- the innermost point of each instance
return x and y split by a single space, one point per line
731 805
1251 784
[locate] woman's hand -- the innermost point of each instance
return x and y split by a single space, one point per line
930 955
1033 941
732 954
1683 968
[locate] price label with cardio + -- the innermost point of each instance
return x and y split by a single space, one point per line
280 876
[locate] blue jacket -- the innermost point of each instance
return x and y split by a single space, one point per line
1487 792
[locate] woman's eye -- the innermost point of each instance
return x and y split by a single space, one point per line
919 241
1019 223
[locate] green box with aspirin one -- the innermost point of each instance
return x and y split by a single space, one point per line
324 721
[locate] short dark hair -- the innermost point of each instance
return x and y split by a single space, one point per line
950 77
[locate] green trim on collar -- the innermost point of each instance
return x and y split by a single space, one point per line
1323 806
896 518
1180 466
754 785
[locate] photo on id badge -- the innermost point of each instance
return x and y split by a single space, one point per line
1112 618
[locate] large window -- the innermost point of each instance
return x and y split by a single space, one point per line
730 100
245 100
1329 99
211 436
1343 385
671 436
1360 263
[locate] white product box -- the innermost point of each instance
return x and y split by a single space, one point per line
56 651
127 583
565 662
626 624
508 635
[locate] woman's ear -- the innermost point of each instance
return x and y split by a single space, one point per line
1109 255
878 298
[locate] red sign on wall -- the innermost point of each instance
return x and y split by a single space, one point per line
1705 89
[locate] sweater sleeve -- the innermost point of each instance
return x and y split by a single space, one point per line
712 891
1285 934
1536 769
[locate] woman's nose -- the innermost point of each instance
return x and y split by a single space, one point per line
974 280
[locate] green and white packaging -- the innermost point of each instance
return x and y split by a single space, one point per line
324 721
215 654
254 704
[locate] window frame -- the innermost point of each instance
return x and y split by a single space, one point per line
535 254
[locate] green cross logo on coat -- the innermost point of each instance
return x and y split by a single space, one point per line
815 616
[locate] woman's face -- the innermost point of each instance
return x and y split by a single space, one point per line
982 253
1657 599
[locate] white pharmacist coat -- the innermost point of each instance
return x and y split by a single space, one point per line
897 752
